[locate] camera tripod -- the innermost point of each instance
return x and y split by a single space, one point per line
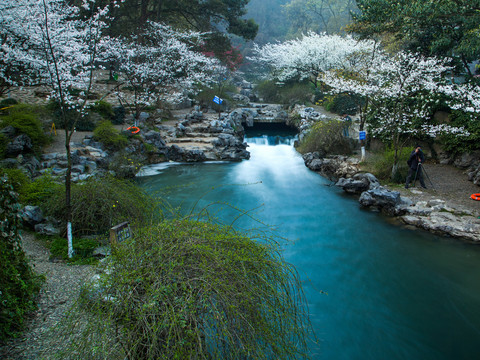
426 175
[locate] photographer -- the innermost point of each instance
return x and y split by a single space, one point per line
415 166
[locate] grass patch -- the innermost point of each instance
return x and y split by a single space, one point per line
83 249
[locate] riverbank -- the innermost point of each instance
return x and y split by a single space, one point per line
445 207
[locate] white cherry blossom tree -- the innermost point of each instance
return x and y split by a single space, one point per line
161 65
311 55
57 46
399 93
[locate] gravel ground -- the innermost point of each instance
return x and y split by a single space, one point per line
57 295
449 184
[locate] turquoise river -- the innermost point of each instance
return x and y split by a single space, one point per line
375 290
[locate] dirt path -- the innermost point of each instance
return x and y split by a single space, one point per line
449 184
56 296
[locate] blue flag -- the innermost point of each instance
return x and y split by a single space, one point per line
217 100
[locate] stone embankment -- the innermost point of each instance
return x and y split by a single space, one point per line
428 211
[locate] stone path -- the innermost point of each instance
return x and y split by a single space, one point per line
56 297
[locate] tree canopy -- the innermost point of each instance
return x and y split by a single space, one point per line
445 28
220 17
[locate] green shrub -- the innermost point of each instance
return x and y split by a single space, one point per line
185 289
326 137
25 119
104 109
381 166
37 192
19 285
8 102
341 104
109 136
460 144
3 145
100 203
126 166
17 178
83 250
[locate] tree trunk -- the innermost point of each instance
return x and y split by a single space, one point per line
68 182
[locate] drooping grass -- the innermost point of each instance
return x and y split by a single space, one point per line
188 289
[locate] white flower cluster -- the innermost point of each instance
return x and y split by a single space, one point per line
46 42
311 55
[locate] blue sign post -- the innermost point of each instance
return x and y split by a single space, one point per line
217 100
362 135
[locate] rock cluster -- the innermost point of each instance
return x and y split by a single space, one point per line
87 161
470 162
433 215
205 138
259 113
332 166
307 117
32 217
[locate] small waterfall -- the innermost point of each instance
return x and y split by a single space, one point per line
271 140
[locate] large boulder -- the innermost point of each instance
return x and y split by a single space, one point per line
47 229
474 175
243 115
194 156
20 144
445 222
358 183
32 215
381 199
467 160
154 138
175 153
333 167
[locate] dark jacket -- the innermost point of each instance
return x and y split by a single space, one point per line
415 159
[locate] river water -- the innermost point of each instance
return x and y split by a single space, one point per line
375 290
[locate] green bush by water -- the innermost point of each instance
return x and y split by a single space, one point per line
100 203
381 164
106 133
326 137
187 289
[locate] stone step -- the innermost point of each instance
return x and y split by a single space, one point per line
192 140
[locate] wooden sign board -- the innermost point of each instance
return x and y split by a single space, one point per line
120 232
